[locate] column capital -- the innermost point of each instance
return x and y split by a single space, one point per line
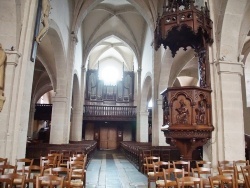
74 37
84 69
12 57
143 113
139 70
227 67
59 99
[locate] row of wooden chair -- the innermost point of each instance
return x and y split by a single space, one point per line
58 159
154 169
51 180
48 166
173 177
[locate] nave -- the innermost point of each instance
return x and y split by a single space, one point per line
111 169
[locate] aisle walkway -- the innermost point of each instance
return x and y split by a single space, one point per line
110 169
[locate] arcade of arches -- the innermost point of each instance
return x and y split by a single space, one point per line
65 74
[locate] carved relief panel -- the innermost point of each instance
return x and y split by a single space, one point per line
187 106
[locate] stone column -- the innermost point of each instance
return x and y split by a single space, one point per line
7 127
139 127
59 129
158 138
76 126
18 84
142 132
31 121
229 130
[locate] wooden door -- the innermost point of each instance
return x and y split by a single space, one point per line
108 137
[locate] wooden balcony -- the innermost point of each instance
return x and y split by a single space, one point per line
109 113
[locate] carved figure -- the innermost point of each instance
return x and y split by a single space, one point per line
165 111
3 59
182 116
200 113
44 19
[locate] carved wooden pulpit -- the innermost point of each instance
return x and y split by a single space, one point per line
187 110
187 118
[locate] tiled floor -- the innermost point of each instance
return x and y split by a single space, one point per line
110 169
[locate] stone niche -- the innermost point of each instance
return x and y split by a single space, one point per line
187 118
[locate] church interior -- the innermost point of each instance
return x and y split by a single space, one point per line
116 74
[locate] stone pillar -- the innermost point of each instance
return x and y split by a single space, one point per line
76 126
139 127
142 132
19 71
31 121
59 127
158 138
6 127
229 130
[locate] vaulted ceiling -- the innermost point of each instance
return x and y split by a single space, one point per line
114 30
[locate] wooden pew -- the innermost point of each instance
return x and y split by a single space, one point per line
35 150
135 152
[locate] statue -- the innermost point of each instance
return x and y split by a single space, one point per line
200 113
44 19
3 59
182 116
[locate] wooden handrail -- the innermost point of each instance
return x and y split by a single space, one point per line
98 110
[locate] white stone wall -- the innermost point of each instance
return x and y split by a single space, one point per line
14 117
61 14
8 24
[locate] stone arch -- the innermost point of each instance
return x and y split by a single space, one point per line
88 5
76 93
245 31
177 83
48 69
76 105
179 62
59 54
143 9
39 93
246 86
247 76
146 89
106 35
233 18
95 62
245 50
166 64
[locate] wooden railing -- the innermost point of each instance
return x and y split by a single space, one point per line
95 112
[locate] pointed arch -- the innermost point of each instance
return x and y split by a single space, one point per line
106 35
146 89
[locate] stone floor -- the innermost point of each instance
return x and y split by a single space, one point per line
111 169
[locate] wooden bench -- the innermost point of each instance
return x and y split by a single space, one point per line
137 151
36 150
